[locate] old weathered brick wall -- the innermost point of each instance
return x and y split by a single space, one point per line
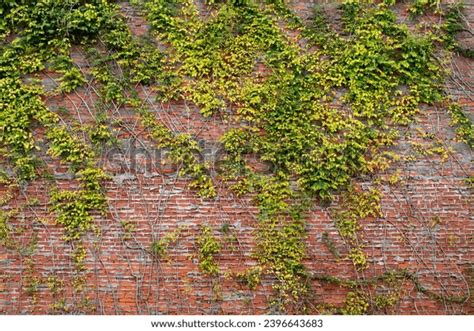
427 224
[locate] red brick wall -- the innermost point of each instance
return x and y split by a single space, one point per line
427 224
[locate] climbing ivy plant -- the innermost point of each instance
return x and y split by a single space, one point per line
321 112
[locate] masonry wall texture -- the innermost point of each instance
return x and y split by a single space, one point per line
427 224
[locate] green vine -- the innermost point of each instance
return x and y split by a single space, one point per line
465 128
321 114
208 246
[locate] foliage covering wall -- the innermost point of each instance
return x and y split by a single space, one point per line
236 157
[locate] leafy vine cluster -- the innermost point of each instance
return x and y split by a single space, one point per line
321 113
